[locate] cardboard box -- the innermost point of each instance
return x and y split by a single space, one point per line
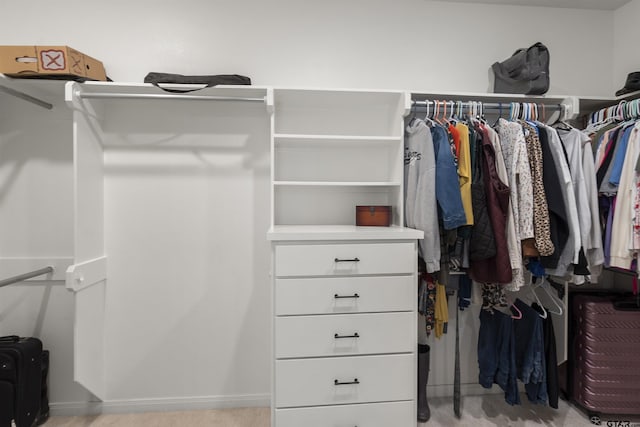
49 61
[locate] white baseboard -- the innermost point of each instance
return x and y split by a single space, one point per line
217 402
160 405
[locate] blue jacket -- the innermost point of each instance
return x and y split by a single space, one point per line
447 182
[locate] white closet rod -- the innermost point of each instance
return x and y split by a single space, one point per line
26 97
25 276
167 96
504 106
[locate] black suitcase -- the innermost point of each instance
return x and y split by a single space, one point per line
20 380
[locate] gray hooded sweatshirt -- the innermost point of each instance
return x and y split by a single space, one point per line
421 209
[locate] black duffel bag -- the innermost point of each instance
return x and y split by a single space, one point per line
525 72
207 81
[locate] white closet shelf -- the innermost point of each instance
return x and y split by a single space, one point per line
148 91
335 184
341 232
304 140
306 137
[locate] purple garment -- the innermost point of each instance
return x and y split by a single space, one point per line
607 234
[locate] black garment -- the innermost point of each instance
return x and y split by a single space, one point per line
464 292
582 267
482 243
558 218
529 341
551 358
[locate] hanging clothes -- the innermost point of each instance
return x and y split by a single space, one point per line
520 220
421 211
593 242
514 150
573 141
496 354
529 349
513 242
551 362
464 170
482 242
611 179
544 245
622 226
441 310
498 268
447 183
558 217
571 251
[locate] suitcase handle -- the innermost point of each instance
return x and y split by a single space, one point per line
10 338
626 306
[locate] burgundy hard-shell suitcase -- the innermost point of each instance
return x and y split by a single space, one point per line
20 380
605 355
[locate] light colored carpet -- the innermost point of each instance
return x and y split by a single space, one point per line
477 411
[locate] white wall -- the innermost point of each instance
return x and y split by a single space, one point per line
406 44
188 287
626 56
36 226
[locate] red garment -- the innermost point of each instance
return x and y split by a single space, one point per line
455 134
498 268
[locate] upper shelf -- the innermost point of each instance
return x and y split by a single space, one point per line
593 103
568 4
110 90
46 93
349 114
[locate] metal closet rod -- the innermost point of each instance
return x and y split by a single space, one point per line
26 97
165 96
25 276
504 106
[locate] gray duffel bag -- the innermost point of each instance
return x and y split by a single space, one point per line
525 72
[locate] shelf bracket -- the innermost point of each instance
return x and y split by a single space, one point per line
570 108
85 274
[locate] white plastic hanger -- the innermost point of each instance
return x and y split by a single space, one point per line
556 301
427 117
533 292
544 311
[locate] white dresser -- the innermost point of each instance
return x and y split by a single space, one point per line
344 297
345 330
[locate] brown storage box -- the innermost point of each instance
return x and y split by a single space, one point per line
379 216
49 61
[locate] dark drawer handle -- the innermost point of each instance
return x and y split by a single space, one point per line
355 381
336 296
336 336
347 260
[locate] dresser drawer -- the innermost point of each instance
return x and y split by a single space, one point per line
310 382
369 415
345 259
345 295
345 334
